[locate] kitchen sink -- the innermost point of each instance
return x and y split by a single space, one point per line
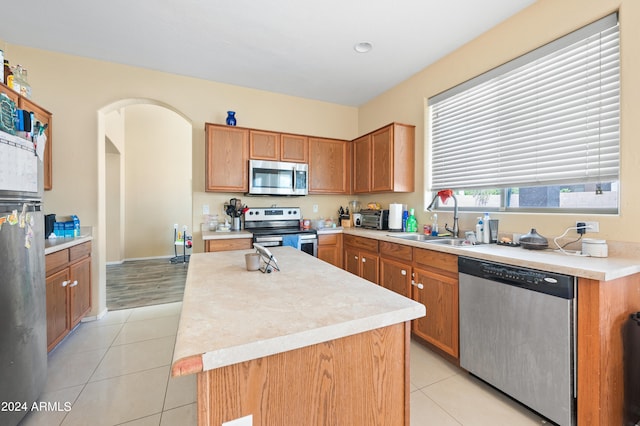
428 239
455 242
415 237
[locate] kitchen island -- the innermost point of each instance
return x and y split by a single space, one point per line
309 344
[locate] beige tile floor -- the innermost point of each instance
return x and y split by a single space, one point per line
115 371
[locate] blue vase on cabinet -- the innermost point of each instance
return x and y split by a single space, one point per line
231 118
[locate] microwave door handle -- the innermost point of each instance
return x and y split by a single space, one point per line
294 178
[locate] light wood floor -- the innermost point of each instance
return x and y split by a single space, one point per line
145 282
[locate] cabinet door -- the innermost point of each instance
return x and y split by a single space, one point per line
369 267
439 294
395 276
79 290
352 261
329 162
382 160
330 249
294 148
44 117
362 164
226 159
264 145
57 294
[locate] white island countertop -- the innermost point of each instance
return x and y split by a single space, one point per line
230 315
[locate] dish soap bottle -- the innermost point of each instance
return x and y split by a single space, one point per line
412 223
434 226
486 235
479 230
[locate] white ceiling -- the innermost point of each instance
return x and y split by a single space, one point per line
300 48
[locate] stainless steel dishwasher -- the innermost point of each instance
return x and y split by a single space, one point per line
517 333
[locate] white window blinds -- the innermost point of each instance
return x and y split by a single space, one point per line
548 117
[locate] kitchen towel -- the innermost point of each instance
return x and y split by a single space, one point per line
291 241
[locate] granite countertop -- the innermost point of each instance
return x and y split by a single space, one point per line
601 269
230 315
53 245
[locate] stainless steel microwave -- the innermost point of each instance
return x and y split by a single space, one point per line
278 178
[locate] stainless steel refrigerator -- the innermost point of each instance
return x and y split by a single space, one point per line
23 328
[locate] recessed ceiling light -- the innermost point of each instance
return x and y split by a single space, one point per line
363 47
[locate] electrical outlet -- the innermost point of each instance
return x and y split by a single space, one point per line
315 208
589 226
205 209
242 421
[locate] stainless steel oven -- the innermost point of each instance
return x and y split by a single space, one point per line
278 226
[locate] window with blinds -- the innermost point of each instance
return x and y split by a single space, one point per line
546 123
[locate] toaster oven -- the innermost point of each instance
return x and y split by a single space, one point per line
375 219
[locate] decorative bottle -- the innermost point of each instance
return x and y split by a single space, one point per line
231 118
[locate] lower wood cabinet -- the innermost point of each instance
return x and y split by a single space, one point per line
330 249
361 257
68 287
228 244
395 267
435 285
427 276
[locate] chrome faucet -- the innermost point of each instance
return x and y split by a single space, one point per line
455 230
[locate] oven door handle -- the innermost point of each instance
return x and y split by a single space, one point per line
270 241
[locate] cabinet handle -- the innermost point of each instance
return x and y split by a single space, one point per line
75 283
364 259
64 283
403 272
419 285
355 257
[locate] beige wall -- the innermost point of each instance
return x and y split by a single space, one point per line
79 91
158 156
542 22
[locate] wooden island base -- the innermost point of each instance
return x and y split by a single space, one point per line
361 379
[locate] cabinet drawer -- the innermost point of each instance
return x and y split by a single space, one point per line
56 261
229 244
362 243
328 240
435 259
398 251
79 251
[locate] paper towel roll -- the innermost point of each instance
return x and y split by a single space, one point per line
395 217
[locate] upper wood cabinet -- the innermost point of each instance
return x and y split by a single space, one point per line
384 160
227 157
294 148
362 164
278 147
264 145
44 117
329 161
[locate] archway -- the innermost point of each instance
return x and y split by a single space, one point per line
147 154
